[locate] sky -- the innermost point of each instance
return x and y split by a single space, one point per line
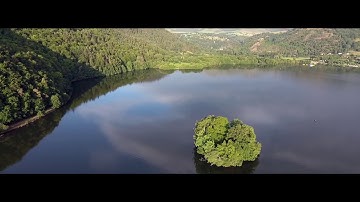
225 30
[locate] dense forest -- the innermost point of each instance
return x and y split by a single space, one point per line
111 51
38 66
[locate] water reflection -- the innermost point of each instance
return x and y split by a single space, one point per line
203 167
160 153
148 127
16 144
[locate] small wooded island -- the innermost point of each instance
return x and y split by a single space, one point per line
225 143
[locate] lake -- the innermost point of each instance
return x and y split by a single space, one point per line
142 122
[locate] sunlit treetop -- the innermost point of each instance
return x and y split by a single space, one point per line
225 143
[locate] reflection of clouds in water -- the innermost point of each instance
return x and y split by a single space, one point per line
131 109
175 89
127 131
143 125
103 109
121 121
267 111
135 146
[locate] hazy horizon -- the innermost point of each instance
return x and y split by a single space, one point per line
226 30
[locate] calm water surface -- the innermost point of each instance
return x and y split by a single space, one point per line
143 123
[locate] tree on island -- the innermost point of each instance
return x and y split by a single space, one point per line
224 143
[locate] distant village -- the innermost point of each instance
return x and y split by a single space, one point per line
350 59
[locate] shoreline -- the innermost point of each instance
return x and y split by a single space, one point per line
29 120
25 122
32 119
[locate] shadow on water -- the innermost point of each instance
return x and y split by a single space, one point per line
16 144
203 167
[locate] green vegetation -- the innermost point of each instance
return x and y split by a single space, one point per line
303 42
38 66
29 75
295 58
111 51
211 61
225 143
313 46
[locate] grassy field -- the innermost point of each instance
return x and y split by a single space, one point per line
295 58
206 61
181 65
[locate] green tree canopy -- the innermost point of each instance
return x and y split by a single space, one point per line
225 143
55 101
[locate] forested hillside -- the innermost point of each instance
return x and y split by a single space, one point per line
111 51
37 66
32 77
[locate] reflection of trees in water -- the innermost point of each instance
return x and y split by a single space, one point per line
111 83
15 144
293 68
191 70
203 167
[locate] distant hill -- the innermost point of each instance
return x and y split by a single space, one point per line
213 42
222 40
281 41
304 42
228 31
